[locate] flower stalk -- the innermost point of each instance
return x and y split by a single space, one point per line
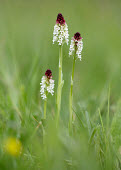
47 86
60 35
75 50
45 106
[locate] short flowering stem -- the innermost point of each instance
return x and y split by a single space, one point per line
45 106
71 95
60 84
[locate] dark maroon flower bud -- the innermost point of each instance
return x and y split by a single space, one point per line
48 73
77 36
60 19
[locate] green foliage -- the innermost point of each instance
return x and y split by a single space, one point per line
26 52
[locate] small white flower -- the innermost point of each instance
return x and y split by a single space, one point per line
76 45
60 33
47 84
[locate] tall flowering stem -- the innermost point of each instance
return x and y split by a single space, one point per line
75 50
71 94
60 84
60 35
47 86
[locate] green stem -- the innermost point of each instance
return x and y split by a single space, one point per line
45 107
60 84
71 95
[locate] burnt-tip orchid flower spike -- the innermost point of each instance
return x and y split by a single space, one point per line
76 45
75 50
60 33
47 86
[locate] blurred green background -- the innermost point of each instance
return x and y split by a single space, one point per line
26 52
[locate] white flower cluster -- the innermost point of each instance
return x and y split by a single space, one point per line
72 47
60 33
47 86
78 49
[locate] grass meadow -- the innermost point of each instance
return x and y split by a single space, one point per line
26 52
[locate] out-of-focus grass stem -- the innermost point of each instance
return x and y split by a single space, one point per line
108 113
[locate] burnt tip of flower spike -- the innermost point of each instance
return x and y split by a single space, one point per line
77 36
60 19
48 73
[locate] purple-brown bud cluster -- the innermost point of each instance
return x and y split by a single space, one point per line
77 36
60 19
48 73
